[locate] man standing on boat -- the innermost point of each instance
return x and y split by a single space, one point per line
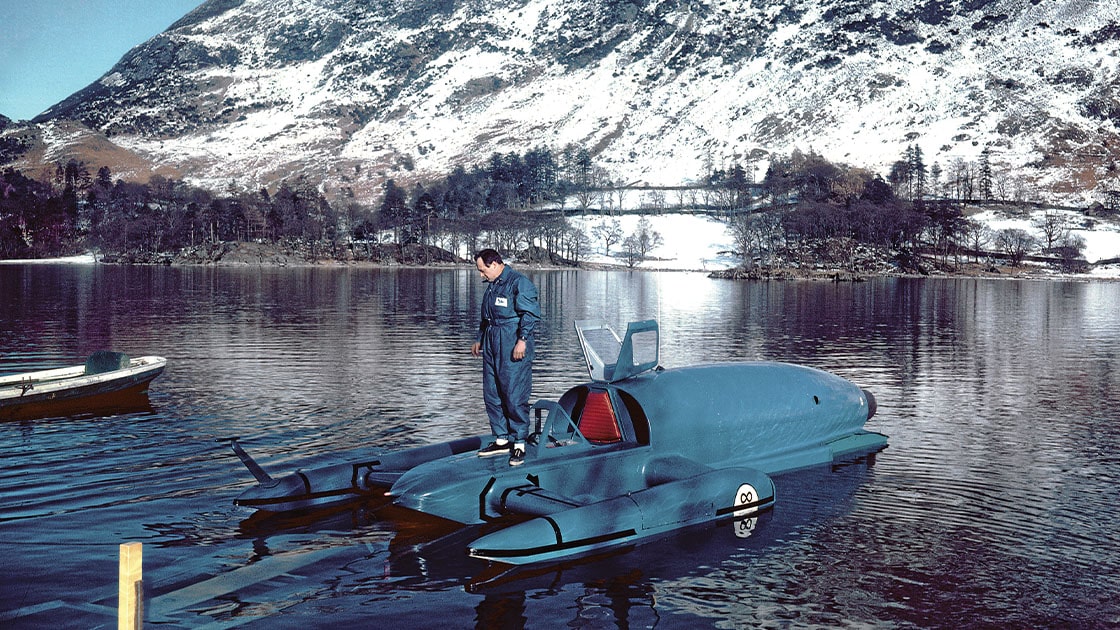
510 312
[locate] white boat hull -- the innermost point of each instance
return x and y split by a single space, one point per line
62 391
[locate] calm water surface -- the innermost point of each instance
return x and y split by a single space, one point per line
995 504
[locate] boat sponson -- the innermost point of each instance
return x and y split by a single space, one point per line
718 494
533 500
315 488
341 483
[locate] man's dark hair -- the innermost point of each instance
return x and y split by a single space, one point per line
489 256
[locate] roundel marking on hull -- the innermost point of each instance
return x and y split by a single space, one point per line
745 496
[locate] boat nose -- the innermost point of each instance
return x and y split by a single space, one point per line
872 405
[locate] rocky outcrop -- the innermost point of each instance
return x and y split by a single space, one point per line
298 254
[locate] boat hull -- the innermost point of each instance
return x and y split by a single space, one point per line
69 391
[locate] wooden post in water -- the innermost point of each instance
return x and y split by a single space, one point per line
130 606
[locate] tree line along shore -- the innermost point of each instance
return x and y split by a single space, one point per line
805 215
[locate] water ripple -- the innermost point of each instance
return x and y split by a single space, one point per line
993 501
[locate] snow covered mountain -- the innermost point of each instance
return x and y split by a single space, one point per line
349 93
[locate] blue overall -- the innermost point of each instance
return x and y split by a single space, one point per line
510 311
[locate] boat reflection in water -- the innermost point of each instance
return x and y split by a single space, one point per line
633 456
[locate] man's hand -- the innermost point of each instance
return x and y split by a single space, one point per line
519 350
476 349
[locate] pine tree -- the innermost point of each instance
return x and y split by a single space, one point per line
917 172
985 175
394 207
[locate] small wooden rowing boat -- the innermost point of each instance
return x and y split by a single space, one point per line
106 379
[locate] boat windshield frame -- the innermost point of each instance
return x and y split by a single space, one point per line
610 359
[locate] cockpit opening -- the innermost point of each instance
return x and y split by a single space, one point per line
597 421
607 416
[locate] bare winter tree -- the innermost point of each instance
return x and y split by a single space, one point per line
976 237
610 232
590 188
686 198
655 200
758 236
1055 228
620 192
631 251
575 244
647 238
1070 254
1015 243
962 179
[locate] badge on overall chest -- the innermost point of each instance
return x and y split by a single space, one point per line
501 301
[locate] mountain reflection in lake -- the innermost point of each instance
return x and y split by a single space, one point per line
993 505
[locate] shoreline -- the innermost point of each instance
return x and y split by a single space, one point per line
779 274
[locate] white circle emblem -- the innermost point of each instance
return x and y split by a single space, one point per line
746 496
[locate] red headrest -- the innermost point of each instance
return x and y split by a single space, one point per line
597 422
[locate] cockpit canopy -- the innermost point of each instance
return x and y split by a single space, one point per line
610 359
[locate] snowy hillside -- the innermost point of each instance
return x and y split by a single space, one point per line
250 92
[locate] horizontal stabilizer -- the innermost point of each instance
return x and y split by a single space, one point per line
858 442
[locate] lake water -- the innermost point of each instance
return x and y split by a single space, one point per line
995 504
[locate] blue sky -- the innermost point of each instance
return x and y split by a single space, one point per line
50 49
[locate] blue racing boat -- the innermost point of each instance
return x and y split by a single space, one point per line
635 453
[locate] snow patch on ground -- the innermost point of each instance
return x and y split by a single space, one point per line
1101 243
689 242
81 259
